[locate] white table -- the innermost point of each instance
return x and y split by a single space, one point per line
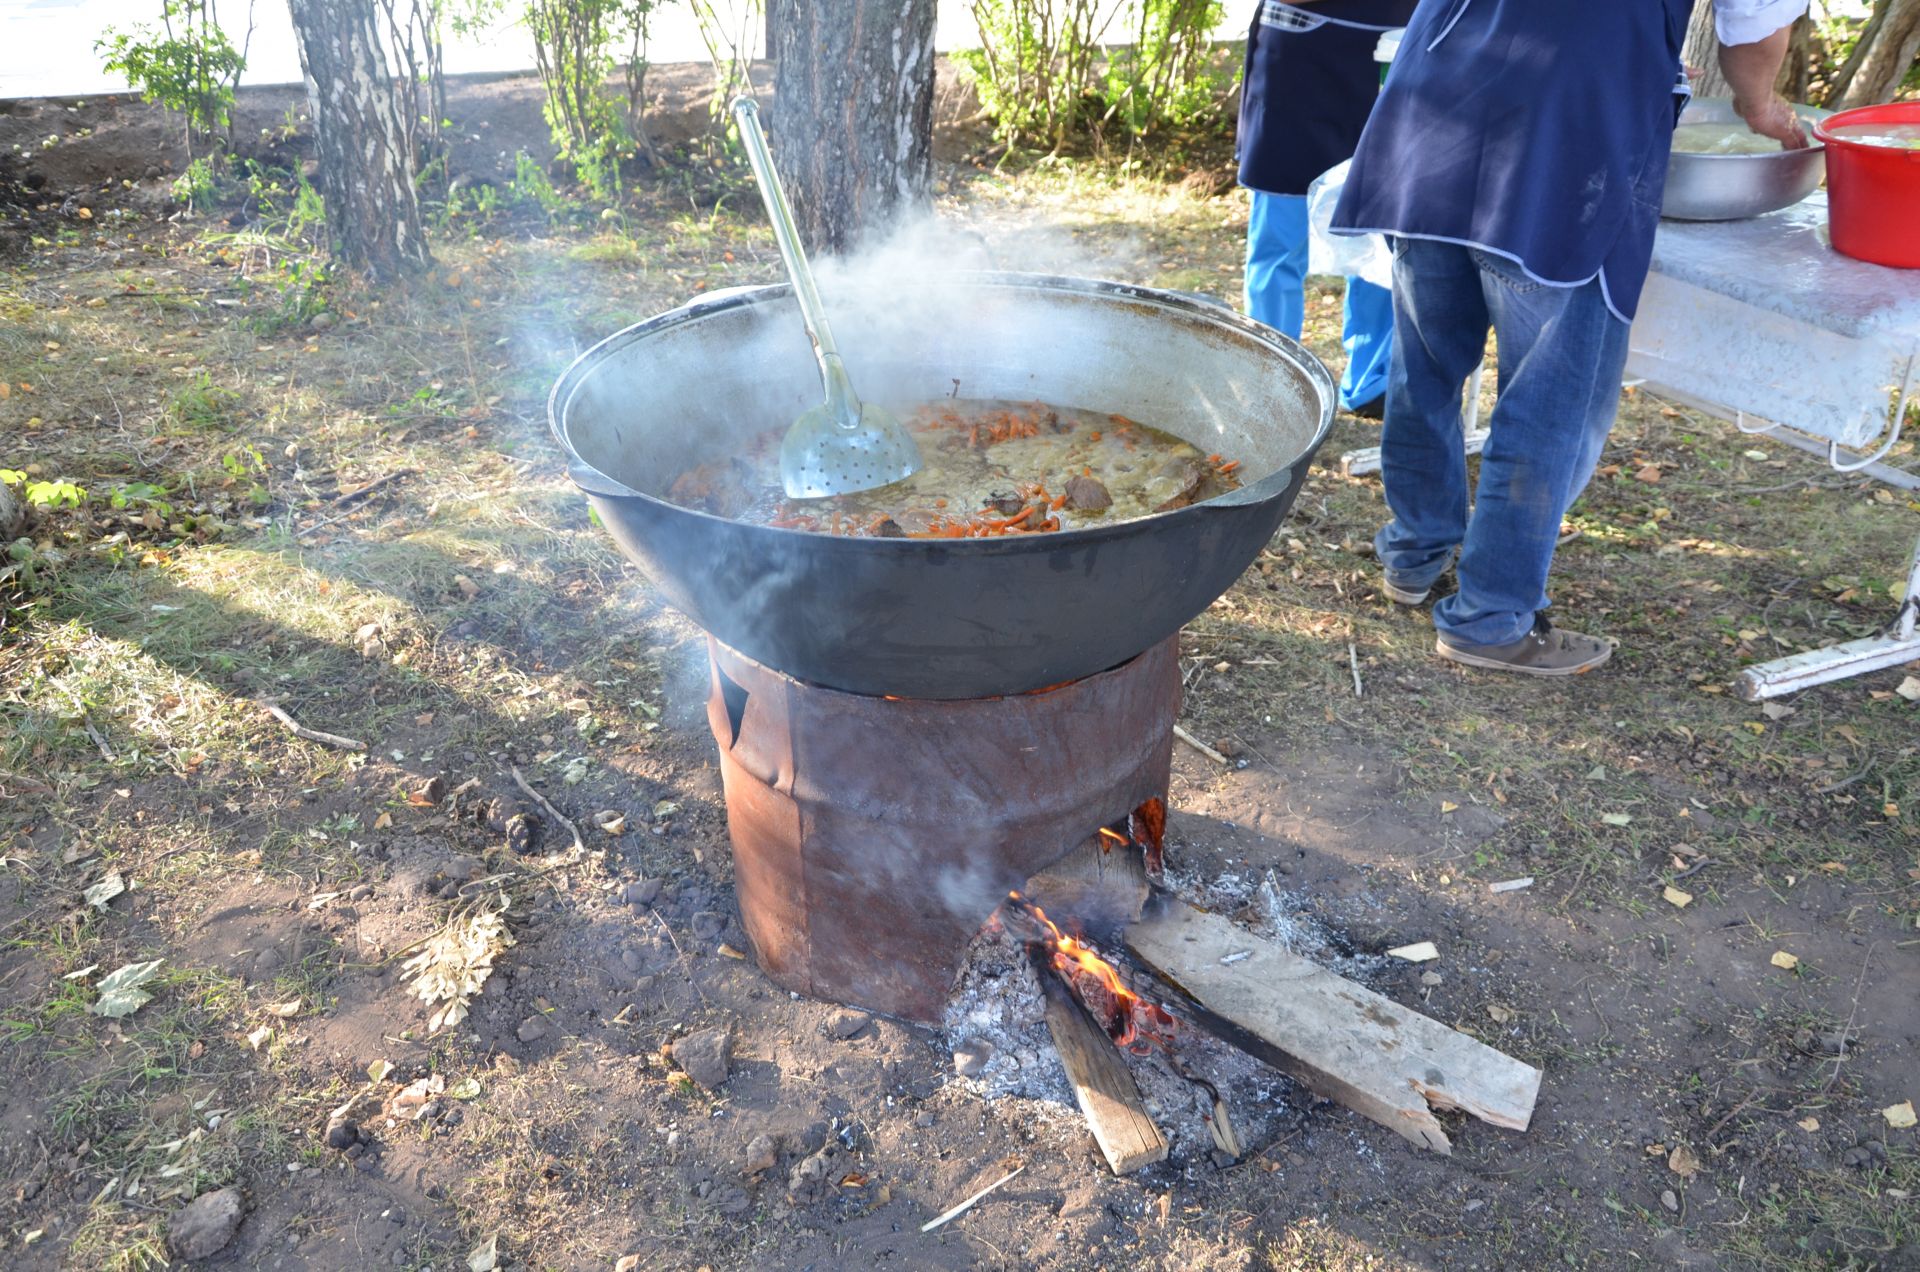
1760 322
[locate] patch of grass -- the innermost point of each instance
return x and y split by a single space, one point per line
1836 1221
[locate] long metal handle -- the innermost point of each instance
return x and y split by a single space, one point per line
747 113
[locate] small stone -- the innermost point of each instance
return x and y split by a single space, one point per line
640 892
434 791
971 1056
627 1263
730 1200
532 1029
1431 978
846 1024
1227 747
709 924
1670 1201
813 1178
761 1155
633 960
359 892
205 1225
342 1135
321 321
706 1057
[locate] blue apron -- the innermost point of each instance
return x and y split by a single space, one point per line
1309 82
1535 129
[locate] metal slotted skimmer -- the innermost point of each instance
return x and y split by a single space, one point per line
843 445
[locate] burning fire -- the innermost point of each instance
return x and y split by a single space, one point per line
1130 1020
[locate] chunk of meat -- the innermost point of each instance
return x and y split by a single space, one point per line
1183 478
1088 494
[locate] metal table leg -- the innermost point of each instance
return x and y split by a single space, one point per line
1358 463
1900 643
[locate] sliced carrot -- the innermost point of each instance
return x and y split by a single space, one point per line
1229 466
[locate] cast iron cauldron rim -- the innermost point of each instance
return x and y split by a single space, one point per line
597 484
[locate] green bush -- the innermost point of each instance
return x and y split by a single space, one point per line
1044 74
188 65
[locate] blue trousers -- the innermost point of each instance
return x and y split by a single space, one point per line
1276 295
1561 355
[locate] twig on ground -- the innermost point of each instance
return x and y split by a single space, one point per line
1201 747
1353 661
299 730
99 739
969 1203
361 492
1841 785
547 808
1846 1034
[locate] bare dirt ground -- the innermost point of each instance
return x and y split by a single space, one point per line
220 406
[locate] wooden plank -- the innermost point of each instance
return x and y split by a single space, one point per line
1344 1041
1102 1083
1103 887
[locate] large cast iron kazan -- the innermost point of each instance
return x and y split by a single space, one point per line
948 618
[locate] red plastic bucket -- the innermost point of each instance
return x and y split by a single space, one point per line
1873 192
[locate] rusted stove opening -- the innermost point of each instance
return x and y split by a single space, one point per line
873 837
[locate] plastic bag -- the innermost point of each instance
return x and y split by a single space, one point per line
1364 256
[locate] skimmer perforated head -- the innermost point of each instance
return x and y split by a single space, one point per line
842 445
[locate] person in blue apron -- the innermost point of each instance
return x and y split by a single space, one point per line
1516 158
1310 80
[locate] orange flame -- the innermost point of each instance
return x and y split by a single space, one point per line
1096 983
1111 835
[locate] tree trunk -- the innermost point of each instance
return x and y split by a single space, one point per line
361 139
1702 53
1883 56
853 114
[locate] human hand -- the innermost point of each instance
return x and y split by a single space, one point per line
1773 117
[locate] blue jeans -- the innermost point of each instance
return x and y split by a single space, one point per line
1561 355
1276 295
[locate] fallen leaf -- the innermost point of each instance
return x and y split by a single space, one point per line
464 1089
484 1257
1754 454
1899 1116
468 588
1776 710
120 992
260 1037
83 973
1909 689
1500 1015
1683 1162
383 821
104 891
1418 952
286 1010
853 1179
1650 473
378 1071
729 952
1677 897
1784 960
1616 819
1448 806
1808 1124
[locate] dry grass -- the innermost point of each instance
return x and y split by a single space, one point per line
491 599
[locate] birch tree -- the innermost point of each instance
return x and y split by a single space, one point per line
1885 53
361 139
852 114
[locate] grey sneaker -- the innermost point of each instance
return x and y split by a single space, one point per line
1545 651
1402 595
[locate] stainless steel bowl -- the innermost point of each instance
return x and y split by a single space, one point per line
1732 187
